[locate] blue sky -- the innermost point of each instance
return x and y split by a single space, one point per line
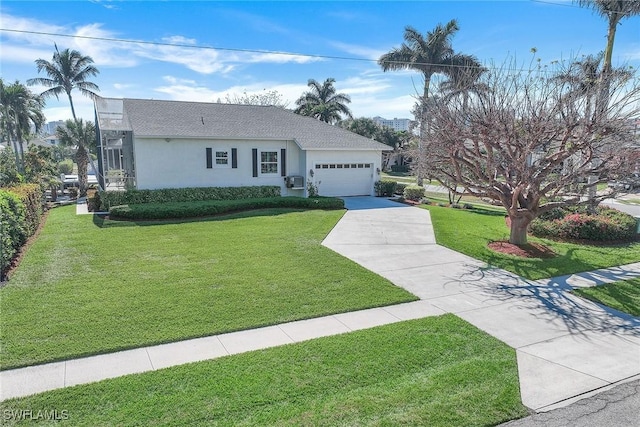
493 31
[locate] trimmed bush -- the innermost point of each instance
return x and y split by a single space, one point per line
605 225
65 167
31 197
146 211
13 232
414 192
400 188
385 188
399 168
167 195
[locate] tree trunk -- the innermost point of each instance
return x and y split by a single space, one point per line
519 226
81 160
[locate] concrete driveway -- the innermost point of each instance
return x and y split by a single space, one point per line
566 347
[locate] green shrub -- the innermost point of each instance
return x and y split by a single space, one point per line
166 195
202 208
467 206
400 188
31 196
414 192
399 168
93 203
65 167
13 233
385 188
605 224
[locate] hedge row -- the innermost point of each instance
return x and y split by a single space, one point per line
605 224
388 188
136 197
20 215
214 207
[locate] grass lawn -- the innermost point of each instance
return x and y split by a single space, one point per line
630 201
438 371
469 232
403 177
88 287
623 296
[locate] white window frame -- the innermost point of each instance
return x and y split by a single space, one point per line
276 162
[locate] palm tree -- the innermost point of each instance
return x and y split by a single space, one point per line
80 134
323 103
429 55
464 81
20 109
614 11
67 71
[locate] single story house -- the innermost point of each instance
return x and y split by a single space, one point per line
152 144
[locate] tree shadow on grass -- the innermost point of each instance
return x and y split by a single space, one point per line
102 221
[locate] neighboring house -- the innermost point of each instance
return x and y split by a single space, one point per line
46 141
150 144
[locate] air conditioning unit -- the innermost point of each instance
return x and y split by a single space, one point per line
294 181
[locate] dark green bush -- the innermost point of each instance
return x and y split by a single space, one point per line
94 203
385 188
414 192
13 232
202 208
135 197
400 188
31 197
399 168
604 225
65 167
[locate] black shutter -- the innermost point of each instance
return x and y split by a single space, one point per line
209 158
234 158
283 162
254 157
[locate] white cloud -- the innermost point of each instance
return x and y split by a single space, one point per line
175 49
122 86
190 90
282 58
360 51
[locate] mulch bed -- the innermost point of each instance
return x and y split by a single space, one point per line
530 250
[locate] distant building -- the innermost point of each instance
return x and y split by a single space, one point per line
398 125
50 127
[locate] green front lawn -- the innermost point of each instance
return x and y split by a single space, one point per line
437 371
469 232
403 177
88 287
623 296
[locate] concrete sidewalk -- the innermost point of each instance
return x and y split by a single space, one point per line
567 348
36 379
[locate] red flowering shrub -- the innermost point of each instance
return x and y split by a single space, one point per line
605 225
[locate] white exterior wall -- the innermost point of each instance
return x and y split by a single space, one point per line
182 163
331 187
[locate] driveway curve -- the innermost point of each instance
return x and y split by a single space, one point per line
567 348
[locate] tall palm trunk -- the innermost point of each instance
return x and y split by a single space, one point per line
81 160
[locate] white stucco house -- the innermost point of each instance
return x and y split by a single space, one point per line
152 144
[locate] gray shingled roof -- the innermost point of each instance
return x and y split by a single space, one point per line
177 119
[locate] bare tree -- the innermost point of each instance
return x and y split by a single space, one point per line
265 98
531 139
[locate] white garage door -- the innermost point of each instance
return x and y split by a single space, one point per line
344 179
